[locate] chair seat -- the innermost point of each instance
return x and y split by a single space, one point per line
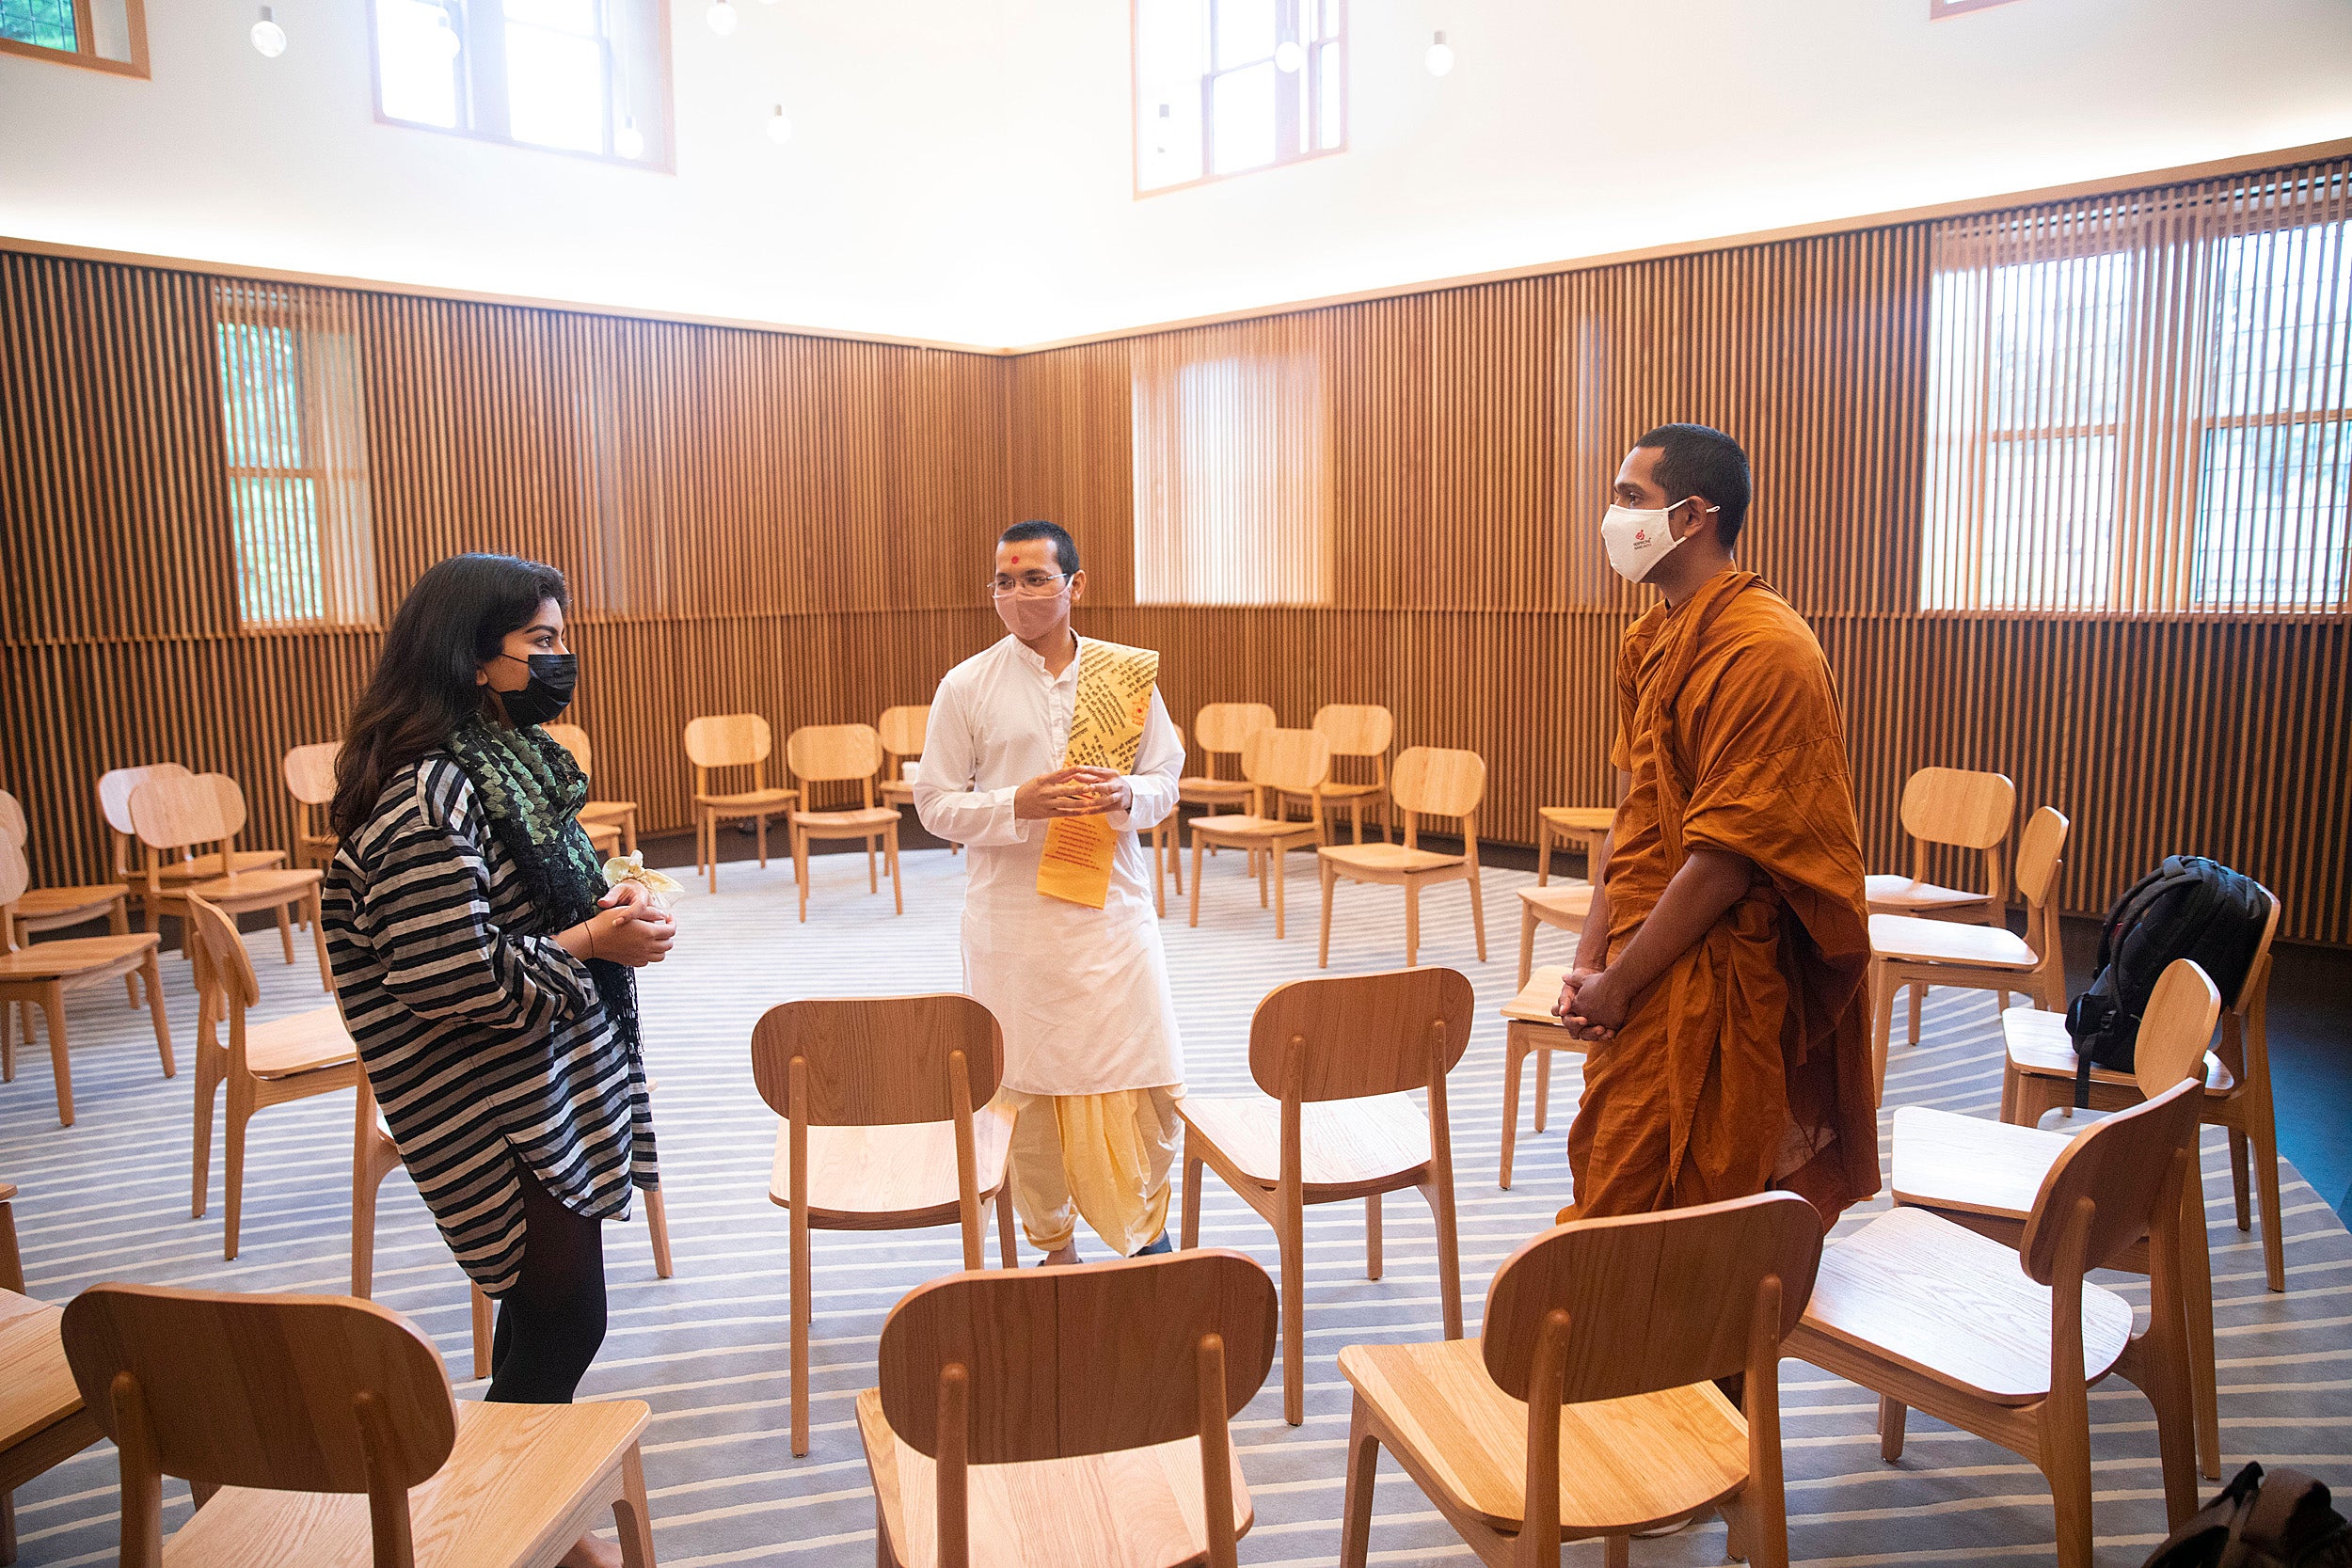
1342 793
2040 1047
1139 1507
894 789
305 1042
870 817
1894 895
879 1176
757 799
1564 905
1968 1164
514 1486
1625 1464
1536 998
69 905
205 868
59 961
602 837
37 1387
1388 860
1345 1144
1948 941
249 889
1943 1302
1202 790
608 811
1580 819
1261 831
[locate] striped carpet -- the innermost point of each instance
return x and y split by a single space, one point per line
106 1199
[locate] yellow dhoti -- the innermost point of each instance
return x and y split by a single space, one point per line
1104 1156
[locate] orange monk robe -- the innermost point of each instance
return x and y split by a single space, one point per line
1746 1065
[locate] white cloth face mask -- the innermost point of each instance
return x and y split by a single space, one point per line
1638 539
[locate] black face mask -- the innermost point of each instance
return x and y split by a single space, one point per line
552 677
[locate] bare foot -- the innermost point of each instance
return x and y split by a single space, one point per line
1062 1256
589 1551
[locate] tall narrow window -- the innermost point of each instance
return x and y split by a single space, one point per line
585 76
2143 402
103 35
1231 463
297 458
1225 86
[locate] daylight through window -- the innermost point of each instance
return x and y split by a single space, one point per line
1224 87
588 76
103 34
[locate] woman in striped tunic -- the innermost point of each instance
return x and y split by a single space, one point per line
484 968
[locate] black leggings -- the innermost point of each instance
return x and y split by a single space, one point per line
552 1322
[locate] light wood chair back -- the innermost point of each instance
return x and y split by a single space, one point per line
2125 1171
1343 1037
728 740
575 740
879 1060
292 1393
225 980
829 754
1653 1300
1294 762
1063 1363
2176 1027
2251 992
1435 781
1356 729
2040 855
310 772
1225 728
15 877
114 789
1955 806
12 824
182 812
903 728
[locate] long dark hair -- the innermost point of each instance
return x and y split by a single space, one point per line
453 620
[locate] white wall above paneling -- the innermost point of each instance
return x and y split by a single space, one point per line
961 167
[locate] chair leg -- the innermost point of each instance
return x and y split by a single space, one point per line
897 883
1008 1251
313 907
2266 1189
1514 1060
1616 1552
1323 949
1891 1412
53 1007
631 1514
285 930
1258 863
873 878
1543 857
364 1183
1543 1085
2066 1464
1280 878
2196 1303
1371 1235
208 1076
1478 915
1291 1238
484 1329
762 820
153 975
1192 1197
1881 1022
798 842
657 1232
1527 943
1438 1190
1412 925
1918 999
2009 1076
1196 876
800 1304
241 1109
1363 1460
2240 1177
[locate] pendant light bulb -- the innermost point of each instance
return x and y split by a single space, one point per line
722 16
445 39
779 127
1440 56
1288 57
268 37
629 141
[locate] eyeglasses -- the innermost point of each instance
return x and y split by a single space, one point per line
1030 585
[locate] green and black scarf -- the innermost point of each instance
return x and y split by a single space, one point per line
532 790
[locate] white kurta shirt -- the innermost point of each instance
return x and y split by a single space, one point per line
1081 994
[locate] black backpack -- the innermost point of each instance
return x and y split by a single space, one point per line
2188 908
2284 1522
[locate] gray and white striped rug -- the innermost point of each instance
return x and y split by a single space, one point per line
106 1199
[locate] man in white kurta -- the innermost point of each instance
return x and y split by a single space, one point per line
1093 1064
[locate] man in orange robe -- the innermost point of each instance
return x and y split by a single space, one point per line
1719 982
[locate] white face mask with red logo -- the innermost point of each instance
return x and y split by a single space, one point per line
1638 539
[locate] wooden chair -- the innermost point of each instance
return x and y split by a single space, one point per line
731 740
2040 1077
1167 852
903 731
176 814
1354 730
1429 782
114 790
1285 761
375 1156
11 1260
1223 729
1967 811
310 772
1340 1058
1563 908
1068 1417
842 754
1984 1174
59 908
1578 828
2016 1366
263 1064
42 1420
605 838
1906 950
1587 1406
301 1405
880 1130
1532 1029
45 972
618 818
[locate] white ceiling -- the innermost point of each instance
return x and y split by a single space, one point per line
961 172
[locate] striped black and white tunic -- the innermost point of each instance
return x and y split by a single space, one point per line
485 1041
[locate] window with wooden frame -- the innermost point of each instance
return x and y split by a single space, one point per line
2143 403
1228 86
587 77
101 35
297 446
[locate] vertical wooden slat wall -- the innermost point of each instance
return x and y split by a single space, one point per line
797 527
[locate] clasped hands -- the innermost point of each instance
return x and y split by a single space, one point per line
1073 792
634 932
1593 1005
